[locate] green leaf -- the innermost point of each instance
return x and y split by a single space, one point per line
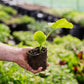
40 37
62 23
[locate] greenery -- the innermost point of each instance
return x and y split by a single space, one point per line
40 37
62 49
4 16
9 16
41 26
8 10
4 33
73 55
11 73
72 15
20 20
65 54
23 35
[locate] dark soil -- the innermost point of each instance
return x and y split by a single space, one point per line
18 27
37 58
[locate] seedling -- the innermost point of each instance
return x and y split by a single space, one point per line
37 57
40 37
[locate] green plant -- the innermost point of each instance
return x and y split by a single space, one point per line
8 10
23 35
11 73
4 16
4 33
40 37
20 20
57 11
41 26
75 16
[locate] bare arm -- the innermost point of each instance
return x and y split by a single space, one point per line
18 55
8 53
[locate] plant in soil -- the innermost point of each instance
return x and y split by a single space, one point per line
38 57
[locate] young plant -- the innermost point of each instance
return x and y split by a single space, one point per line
40 37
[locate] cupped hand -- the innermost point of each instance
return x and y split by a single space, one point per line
23 62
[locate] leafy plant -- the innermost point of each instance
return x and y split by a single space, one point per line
4 16
11 73
23 35
4 33
57 11
40 36
75 16
8 10
20 20
41 26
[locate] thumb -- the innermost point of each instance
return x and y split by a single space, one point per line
27 48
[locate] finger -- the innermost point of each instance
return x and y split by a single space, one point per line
36 71
40 69
47 56
47 64
27 48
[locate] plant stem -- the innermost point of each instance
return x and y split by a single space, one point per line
40 47
49 33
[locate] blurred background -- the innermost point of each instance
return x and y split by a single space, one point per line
20 19
73 4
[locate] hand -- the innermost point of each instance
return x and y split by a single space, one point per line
23 62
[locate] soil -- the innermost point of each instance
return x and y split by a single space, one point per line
18 27
37 58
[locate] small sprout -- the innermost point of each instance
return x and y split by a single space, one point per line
40 37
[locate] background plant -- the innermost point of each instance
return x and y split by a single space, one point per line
4 33
41 26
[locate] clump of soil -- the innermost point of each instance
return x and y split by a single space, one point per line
37 58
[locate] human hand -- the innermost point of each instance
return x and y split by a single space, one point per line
23 62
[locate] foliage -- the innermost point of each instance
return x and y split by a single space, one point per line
62 49
57 11
73 56
72 15
4 16
41 26
20 20
39 36
11 73
8 19
27 19
62 23
8 10
69 42
23 35
4 33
